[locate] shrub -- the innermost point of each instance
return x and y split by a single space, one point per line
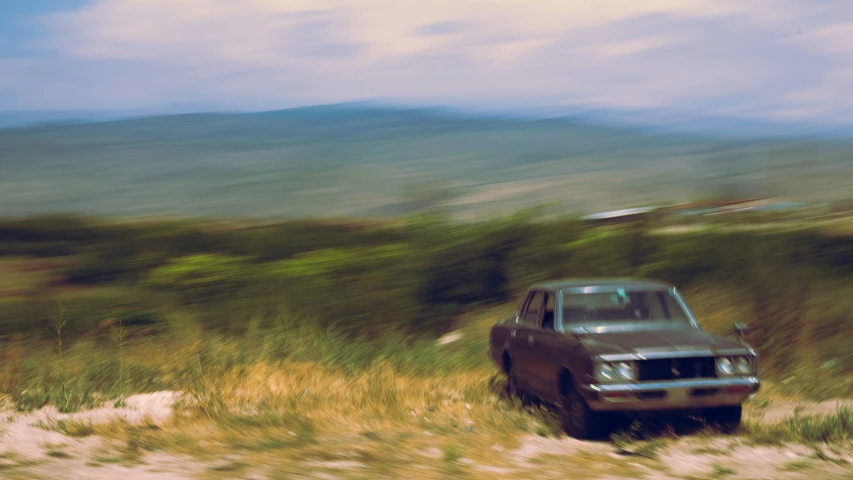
202 277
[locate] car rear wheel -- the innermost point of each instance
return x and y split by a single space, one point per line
726 419
578 419
512 388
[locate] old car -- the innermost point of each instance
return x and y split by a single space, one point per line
596 348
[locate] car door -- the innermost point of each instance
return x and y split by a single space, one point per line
522 343
540 340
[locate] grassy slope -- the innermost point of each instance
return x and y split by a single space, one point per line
382 406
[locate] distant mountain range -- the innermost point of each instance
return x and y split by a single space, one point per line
373 160
661 121
667 121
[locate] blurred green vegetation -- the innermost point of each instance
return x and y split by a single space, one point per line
347 293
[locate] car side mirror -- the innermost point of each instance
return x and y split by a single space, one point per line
741 329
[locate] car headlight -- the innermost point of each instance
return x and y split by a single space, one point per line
604 372
728 366
743 366
625 371
612 372
724 366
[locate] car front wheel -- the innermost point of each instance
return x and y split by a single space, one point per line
578 419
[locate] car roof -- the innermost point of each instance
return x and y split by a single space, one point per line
632 283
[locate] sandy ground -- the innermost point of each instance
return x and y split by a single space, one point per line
31 448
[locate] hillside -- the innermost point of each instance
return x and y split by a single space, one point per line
322 349
371 161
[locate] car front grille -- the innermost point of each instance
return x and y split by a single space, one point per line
676 368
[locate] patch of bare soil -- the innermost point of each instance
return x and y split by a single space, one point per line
48 444
686 458
733 458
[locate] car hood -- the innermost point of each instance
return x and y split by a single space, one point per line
658 341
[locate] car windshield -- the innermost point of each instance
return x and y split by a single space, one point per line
622 306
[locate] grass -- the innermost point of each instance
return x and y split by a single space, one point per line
284 413
712 450
289 416
648 438
759 402
282 388
229 467
798 465
105 460
720 471
820 454
70 428
283 397
835 428
23 276
278 411
65 404
58 454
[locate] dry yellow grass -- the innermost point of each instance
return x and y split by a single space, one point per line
292 416
246 411
283 419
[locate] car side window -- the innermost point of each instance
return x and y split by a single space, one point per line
523 308
548 314
531 315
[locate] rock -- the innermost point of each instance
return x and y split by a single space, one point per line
450 338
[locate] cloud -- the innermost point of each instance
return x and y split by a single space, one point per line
441 28
832 38
750 57
219 28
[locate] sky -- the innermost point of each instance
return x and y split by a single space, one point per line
757 59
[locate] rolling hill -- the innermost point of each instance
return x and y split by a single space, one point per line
345 160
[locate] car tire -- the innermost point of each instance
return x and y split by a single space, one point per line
577 419
726 419
512 390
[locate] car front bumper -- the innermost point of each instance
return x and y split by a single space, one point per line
671 395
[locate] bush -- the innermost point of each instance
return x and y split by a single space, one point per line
203 277
417 278
367 289
85 311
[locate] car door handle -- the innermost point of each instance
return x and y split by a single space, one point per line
530 339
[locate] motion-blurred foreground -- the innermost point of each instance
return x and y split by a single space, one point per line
358 348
